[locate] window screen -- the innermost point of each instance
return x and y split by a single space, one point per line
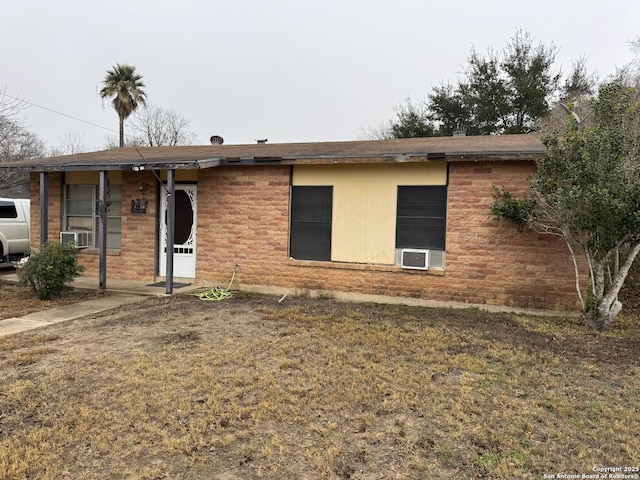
311 209
421 217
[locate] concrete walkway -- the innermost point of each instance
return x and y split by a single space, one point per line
119 292
9 326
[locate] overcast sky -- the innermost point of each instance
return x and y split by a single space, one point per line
289 71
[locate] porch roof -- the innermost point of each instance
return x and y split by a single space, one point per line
477 148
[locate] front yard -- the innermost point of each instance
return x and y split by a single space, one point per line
16 301
311 388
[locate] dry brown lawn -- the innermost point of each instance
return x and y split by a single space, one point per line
18 301
251 388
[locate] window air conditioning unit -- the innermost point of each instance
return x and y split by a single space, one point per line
81 239
414 258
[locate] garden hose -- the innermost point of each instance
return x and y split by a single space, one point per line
216 293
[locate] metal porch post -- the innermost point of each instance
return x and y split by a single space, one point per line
44 208
102 230
171 220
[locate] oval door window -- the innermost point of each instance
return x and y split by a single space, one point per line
184 218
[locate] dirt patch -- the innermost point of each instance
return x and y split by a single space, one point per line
309 388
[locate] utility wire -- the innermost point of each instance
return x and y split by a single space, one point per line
153 170
57 113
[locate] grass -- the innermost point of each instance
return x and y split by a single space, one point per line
249 388
17 301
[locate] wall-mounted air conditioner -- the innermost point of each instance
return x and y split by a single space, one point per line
414 258
81 239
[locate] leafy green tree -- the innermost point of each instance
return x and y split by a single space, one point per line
587 191
503 92
579 82
448 107
411 121
575 96
125 87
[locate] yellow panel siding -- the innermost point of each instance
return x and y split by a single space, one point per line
364 204
181 175
363 228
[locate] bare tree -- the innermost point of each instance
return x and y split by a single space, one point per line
10 107
111 142
154 126
69 145
16 143
380 132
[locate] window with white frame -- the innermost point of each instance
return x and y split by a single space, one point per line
81 213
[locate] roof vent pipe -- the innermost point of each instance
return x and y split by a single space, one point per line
216 140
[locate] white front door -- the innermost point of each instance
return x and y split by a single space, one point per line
184 239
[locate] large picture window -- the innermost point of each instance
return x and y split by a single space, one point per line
311 209
421 217
82 214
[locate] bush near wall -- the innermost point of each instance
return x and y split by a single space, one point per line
49 270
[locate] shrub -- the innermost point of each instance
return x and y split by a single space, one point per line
49 270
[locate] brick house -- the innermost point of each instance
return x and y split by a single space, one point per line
406 218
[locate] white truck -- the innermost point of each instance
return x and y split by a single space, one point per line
15 226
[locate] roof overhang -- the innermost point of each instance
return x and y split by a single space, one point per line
451 149
107 166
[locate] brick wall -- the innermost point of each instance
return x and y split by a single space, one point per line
139 238
136 258
54 207
491 262
243 219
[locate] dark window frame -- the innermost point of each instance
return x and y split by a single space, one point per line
421 217
311 222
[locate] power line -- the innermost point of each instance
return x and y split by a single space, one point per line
57 113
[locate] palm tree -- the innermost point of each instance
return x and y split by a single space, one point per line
125 86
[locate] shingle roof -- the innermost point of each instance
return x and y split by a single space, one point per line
503 147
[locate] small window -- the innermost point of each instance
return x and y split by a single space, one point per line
421 217
8 209
311 209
